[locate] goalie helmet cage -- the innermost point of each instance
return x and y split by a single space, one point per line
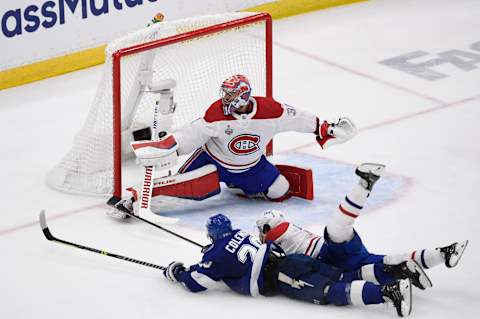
198 53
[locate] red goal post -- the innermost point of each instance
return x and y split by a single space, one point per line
198 53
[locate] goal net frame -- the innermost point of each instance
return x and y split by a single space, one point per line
118 55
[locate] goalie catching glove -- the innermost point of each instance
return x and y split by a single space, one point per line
329 134
161 153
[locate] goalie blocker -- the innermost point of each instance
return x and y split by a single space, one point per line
204 182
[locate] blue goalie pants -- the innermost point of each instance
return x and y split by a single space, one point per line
254 180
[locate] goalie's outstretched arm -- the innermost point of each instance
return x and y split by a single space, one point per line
327 133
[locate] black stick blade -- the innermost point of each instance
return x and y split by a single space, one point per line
43 224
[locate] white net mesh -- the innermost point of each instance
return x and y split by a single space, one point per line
198 66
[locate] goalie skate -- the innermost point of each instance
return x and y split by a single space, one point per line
453 253
400 294
121 209
369 174
412 270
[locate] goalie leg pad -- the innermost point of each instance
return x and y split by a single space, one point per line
197 184
300 179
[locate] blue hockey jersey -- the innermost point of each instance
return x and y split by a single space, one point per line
237 260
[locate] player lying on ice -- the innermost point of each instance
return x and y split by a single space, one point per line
342 247
228 144
239 261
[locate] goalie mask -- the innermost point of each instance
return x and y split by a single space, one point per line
235 93
269 220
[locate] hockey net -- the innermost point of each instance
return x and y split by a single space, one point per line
198 53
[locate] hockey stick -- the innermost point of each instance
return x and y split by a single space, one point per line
49 236
147 184
126 211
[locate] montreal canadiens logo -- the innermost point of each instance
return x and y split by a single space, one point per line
244 144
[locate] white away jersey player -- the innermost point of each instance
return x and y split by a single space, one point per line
236 141
295 240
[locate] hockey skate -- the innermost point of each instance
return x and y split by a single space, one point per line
453 253
121 209
400 294
369 174
412 270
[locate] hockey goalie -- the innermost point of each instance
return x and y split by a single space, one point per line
228 145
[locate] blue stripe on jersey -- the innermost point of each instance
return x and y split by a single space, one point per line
352 203
422 258
315 246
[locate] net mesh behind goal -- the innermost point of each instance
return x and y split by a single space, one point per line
198 53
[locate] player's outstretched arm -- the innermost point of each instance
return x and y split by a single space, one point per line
327 133
176 272
196 278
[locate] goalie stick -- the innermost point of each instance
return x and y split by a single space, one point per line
50 237
147 184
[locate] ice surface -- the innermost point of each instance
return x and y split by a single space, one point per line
426 132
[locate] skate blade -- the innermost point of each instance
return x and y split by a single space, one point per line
462 246
406 289
423 278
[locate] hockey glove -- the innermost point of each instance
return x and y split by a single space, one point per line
173 270
161 153
329 134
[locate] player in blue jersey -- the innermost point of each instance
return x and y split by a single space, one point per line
239 261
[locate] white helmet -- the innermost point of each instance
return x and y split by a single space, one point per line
270 219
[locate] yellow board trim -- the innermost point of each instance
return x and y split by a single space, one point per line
90 57
51 67
286 8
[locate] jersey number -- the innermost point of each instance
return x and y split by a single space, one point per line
244 251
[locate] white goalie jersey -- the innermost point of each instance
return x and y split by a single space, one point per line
237 142
295 240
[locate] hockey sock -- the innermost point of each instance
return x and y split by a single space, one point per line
356 293
375 273
351 276
338 294
340 226
427 258
365 293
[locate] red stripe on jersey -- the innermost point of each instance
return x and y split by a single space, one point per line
413 255
311 245
215 113
267 108
189 161
346 212
277 231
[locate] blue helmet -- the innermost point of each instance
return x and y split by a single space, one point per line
218 227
